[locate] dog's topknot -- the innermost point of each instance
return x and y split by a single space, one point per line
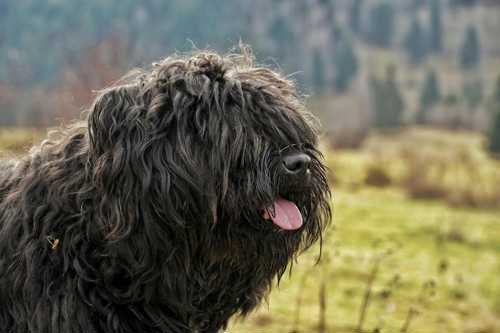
211 64
204 72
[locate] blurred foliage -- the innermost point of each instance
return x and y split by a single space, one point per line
381 24
154 26
494 143
430 96
356 11
436 29
494 108
494 100
473 93
387 99
346 63
416 43
470 54
318 73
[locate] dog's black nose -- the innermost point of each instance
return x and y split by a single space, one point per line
296 163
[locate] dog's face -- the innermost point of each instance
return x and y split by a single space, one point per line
219 147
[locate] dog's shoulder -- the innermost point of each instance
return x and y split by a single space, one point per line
6 169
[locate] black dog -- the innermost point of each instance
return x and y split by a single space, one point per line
174 206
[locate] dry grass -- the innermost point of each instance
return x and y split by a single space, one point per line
18 140
428 164
377 176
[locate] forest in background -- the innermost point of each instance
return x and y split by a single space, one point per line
365 63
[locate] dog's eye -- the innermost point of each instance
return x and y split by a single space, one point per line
306 146
295 146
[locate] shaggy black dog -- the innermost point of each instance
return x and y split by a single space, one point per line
188 189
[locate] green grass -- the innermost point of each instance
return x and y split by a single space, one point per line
458 250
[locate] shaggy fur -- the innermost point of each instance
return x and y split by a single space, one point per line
146 216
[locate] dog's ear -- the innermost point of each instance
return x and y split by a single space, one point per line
125 163
107 120
113 123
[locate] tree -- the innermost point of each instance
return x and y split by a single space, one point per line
470 54
494 137
496 92
346 63
494 108
381 24
436 29
493 105
473 93
283 40
318 72
415 43
387 99
431 91
330 9
463 3
355 16
430 95
417 4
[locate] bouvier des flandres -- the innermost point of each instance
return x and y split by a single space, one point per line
185 193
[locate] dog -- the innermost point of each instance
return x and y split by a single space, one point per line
183 195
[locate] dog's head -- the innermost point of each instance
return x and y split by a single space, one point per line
215 147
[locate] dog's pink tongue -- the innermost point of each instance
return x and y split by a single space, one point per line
286 215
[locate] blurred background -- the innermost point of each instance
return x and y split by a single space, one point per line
408 93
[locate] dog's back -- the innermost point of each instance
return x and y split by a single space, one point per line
6 169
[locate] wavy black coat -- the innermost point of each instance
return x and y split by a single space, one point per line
145 217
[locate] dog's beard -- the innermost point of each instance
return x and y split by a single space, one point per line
272 226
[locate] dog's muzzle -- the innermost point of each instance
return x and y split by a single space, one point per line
285 213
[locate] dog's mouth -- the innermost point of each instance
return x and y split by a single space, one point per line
283 213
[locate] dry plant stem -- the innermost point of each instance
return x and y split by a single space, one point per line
368 293
322 308
298 307
409 317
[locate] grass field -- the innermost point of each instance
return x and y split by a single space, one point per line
417 265
441 262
